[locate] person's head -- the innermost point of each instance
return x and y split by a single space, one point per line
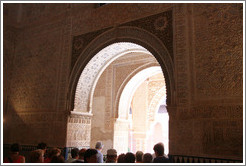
159 149
130 157
75 153
147 158
36 156
111 155
54 152
121 158
139 156
99 145
90 156
57 159
82 153
15 148
42 146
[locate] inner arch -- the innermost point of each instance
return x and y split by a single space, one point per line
122 126
95 67
130 88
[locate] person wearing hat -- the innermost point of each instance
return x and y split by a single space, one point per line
99 147
111 156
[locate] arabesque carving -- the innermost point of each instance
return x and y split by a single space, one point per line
218 47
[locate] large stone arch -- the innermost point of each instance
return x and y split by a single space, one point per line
80 117
123 34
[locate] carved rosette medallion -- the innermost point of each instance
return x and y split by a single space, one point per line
161 23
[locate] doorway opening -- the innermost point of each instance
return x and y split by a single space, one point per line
144 97
106 90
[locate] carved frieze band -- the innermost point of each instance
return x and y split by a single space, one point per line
181 55
211 112
64 65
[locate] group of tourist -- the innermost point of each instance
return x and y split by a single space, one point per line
53 155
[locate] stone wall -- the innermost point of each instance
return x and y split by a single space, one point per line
36 103
209 81
218 81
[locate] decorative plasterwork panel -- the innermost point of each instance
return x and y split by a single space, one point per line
80 42
181 55
79 130
159 25
95 67
220 129
218 47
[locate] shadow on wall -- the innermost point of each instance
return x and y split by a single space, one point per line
31 128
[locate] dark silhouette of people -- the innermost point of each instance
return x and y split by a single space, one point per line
74 154
90 156
43 147
57 159
51 153
139 157
36 156
159 153
121 158
130 158
111 156
147 158
81 156
14 156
